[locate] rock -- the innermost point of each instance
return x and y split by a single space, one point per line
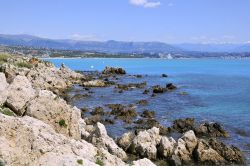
106 159
142 102
143 162
144 144
55 112
183 125
185 147
98 111
131 86
148 114
94 83
125 141
164 75
125 113
211 129
20 91
28 141
171 86
230 153
206 155
166 147
145 91
92 120
3 87
101 139
112 70
158 89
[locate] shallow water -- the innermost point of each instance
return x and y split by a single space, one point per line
218 90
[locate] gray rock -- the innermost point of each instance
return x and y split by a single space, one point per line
3 87
20 91
166 147
143 162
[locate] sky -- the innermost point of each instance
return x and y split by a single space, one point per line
169 21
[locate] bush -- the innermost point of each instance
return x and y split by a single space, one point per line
6 111
4 57
80 161
62 123
24 64
99 162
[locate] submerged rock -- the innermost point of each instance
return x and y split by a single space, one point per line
164 75
148 114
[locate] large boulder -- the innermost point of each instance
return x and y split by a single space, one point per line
28 141
55 112
144 144
166 147
3 87
125 141
20 91
185 147
207 155
101 139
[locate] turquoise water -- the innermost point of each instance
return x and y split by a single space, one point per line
218 90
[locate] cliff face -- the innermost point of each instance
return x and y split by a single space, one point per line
37 127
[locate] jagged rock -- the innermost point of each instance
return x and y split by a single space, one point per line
183 125
144 144
164 75
142 102
148 114
20 91
125 141
166 147
212 130
109 160
101 139
230 153
113 70
28 141
206 155
94 83
98 111
143 162
185 146
3 87
55 112
171 86
131 86
158 89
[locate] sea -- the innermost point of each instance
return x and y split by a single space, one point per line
216 90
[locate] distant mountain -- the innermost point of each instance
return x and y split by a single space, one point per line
106 47
118 46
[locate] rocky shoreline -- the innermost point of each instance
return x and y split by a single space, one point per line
38 126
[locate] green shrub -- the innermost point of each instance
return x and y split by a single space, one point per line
24 64
4 57
99 162
80 161
6 111
62 123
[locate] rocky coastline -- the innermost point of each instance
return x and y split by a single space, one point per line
38 126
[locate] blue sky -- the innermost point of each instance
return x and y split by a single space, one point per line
170 21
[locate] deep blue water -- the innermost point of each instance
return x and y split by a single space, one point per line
218 90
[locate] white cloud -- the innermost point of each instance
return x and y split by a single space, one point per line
145 3
89 37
